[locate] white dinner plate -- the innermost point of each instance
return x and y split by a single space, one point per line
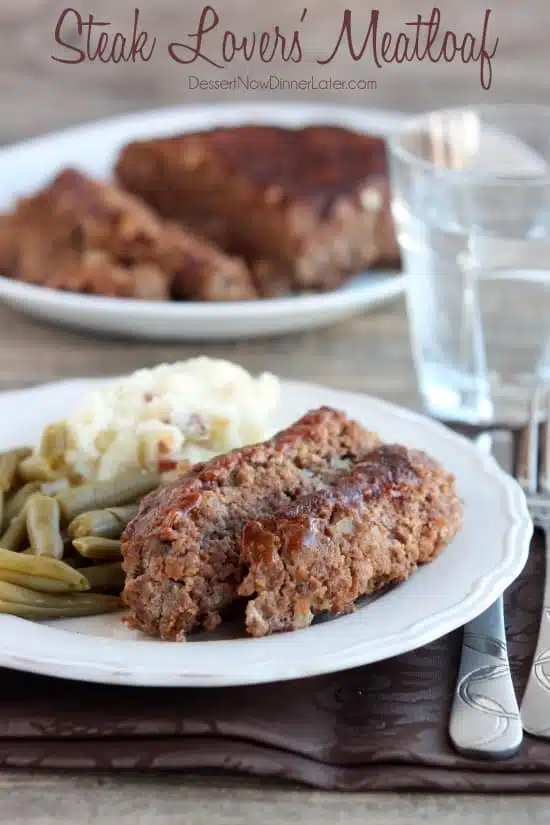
94 148
470 574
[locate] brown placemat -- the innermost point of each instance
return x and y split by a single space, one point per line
379 727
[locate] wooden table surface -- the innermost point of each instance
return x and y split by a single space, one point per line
368 354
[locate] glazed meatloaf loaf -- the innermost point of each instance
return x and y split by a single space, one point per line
395 510
85 236
181 554
305 207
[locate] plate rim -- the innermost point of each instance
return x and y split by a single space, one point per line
515 544
168 112
201 310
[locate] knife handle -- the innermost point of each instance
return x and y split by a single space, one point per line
485 721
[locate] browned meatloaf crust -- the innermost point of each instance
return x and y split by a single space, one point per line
84 236
181 553
305 207
372 527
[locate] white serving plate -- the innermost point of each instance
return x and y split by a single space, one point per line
470 574
94 148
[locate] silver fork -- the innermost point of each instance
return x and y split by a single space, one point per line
485 721
534 477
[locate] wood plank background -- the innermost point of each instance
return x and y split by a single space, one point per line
39 94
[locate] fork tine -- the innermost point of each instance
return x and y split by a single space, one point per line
528 448
544 475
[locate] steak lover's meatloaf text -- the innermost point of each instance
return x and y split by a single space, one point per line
395 510
182 552
305 207
82 235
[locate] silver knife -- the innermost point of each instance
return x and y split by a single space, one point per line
485 721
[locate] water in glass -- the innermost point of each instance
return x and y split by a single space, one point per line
471 203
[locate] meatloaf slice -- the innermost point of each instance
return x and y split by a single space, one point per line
182 552
8 249
305 207
82 235
395 510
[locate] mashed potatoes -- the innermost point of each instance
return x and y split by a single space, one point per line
183 412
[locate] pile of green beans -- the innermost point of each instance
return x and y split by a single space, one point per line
60 549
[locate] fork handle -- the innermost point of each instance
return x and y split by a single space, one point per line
535 706
485 721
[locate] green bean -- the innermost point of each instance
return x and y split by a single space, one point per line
108 523
94 605
43 526
40 573
116 492
97 548
23 595
9 462
36 468
104 576
17 501
34 582
16 533
27 604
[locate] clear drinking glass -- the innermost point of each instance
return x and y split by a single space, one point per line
471 203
